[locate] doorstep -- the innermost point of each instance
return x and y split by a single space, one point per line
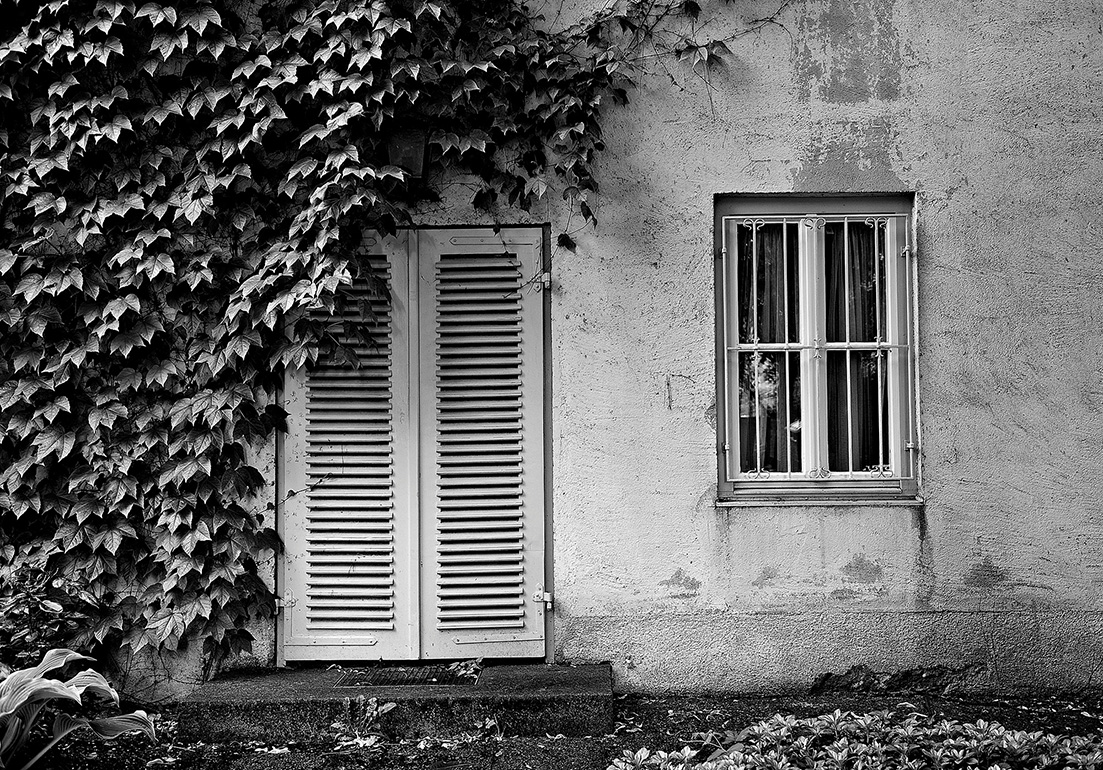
300 704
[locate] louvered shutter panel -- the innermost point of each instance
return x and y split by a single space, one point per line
482 452
349 520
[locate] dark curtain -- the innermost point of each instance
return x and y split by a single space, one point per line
858 267
762 377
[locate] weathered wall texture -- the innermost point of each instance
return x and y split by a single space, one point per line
990 113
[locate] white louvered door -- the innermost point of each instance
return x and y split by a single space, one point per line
416 527
482 449
350 471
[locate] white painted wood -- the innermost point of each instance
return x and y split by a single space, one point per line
350 464
482 451
414 521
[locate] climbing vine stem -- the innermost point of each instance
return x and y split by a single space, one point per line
183 188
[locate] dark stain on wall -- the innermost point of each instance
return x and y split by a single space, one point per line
710 414
681 580
985 574
844 593
924 562
766 576
849 52
861 570
849 155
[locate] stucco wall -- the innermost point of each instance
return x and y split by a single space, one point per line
990 113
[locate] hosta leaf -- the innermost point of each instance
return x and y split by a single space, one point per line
92 682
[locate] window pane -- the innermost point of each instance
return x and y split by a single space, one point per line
857 411
854 254
767 277
769 412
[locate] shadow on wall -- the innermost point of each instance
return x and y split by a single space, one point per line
152 677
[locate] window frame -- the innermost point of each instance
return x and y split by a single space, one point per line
810 484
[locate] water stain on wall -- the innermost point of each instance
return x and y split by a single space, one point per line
682 580
767 575
849 155
850 52
843 594
924 562
985 574
861 570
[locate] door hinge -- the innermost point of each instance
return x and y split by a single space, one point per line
905 252
542 281
545 597
911 446
282 604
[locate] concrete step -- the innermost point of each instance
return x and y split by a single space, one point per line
299 705
521 753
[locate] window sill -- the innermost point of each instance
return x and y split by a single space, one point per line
822 502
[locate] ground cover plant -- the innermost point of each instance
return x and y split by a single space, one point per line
882 740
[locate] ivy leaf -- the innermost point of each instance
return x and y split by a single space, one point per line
7 261
157 14
30 287
166 626
587 214
199 18
54 441
191 210
566 241
428 7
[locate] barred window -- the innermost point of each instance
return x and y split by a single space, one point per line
815 347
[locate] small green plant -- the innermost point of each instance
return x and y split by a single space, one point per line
659 760
364 734
40 611
881 740
24 694
467 669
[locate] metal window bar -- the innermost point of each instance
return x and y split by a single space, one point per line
911 436
793 347
846 323
880 347
726 343
755 357
785 356
765 218
879 248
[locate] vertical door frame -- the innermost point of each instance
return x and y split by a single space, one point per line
280 456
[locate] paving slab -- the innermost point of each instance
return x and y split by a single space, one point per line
524 753
286 705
